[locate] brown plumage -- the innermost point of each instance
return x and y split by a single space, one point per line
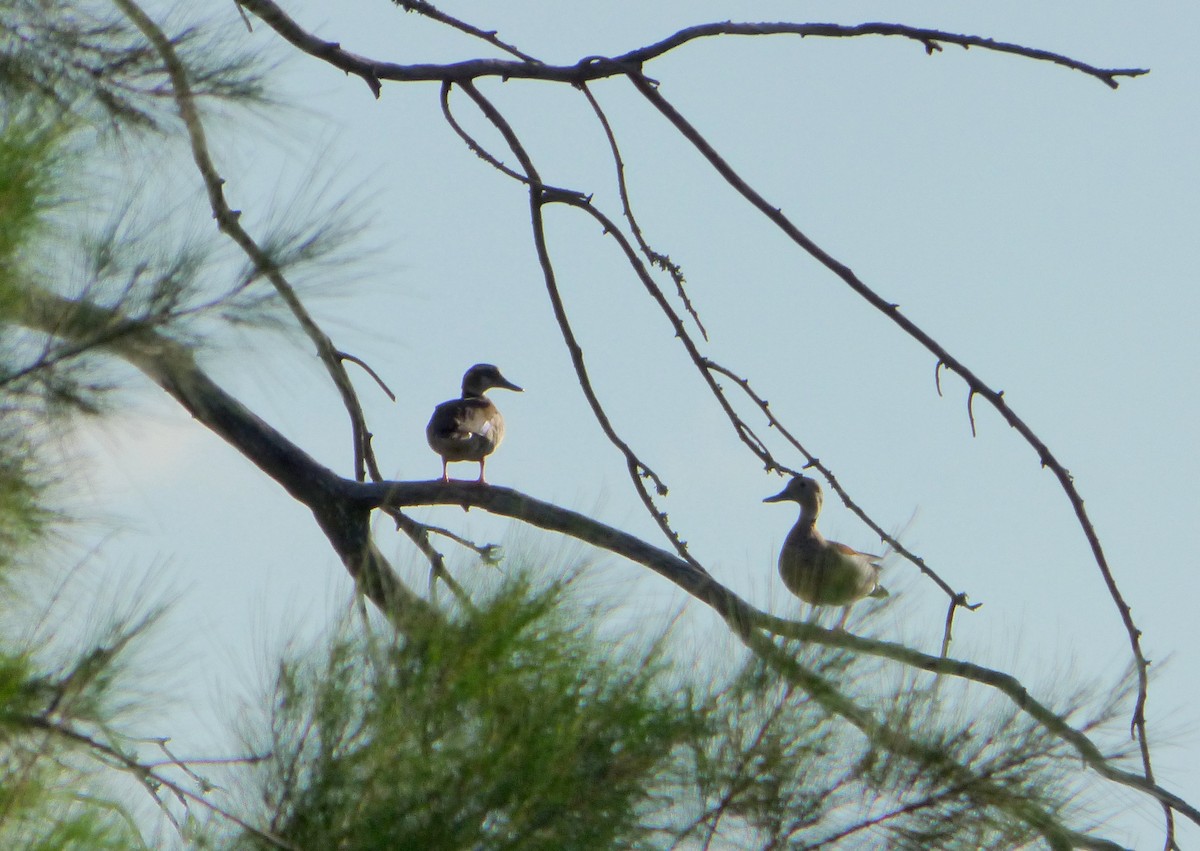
471 427
821 572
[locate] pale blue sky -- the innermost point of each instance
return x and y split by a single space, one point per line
1036 223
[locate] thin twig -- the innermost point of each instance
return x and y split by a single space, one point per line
428 10
490 553
930 39
656 258
957 598
387 390
418 533
470 140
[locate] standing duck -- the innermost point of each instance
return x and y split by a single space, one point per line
821 572
469 428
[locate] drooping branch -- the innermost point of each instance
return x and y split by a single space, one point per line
539 196
705 366
958 599
976 385
228 222
630 63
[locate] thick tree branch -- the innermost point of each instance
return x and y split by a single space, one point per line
744 618
173 367
342 508
428 10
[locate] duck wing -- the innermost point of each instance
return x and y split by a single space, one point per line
853 553
465 429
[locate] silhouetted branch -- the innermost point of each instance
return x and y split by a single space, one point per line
704 365
656 258
930 39
173 367
976 385
428 10
630 64
373 72
538 197
418 533
470 140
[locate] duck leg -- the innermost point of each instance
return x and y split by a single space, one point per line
445 471
841 624
481 479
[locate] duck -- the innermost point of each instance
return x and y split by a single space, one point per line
469 428
818 571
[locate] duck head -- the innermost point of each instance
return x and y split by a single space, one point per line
483 377
803 490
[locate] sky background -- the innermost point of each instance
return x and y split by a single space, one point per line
1039 225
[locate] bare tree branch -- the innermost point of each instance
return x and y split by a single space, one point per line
539 195
599 67
418 533
655 258
976 385
342 506
428 10
630 64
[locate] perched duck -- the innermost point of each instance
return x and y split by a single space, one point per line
821 572
469 428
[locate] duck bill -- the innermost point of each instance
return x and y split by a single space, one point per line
508 385
779 497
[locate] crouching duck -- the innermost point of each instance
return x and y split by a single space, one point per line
821 572
471 427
